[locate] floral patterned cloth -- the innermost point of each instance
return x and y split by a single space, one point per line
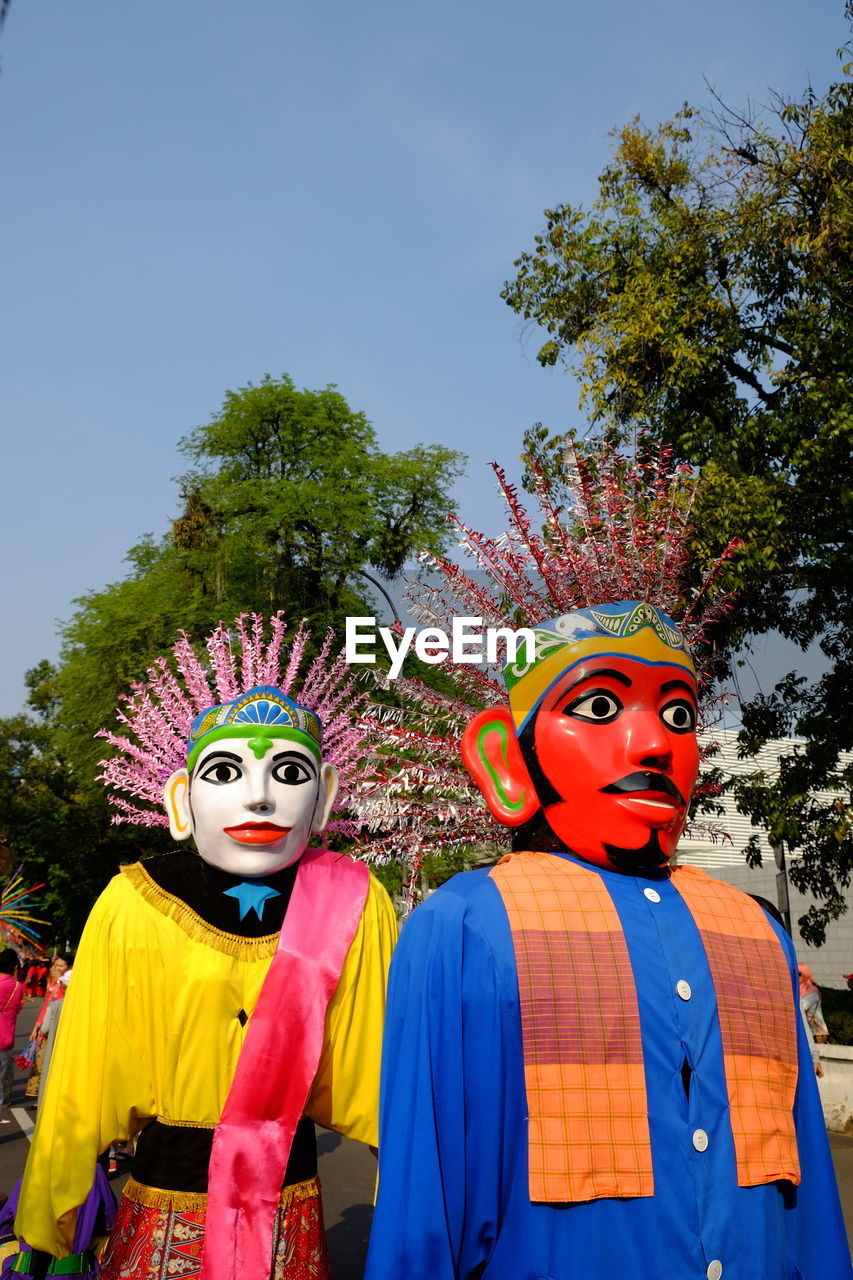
159 1235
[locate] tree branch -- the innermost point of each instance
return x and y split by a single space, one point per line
739 371
778 344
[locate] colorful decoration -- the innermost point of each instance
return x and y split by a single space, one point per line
16 922
26 1059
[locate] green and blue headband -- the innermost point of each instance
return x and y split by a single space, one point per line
261 716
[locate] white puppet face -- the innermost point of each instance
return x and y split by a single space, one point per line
251 812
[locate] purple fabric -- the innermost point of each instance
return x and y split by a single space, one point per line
95 1216
97 1213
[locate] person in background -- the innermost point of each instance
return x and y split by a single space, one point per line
810 1004
55 990
11 999
815 1051
49 1026
37 979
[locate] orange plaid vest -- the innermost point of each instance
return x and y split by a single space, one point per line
588 1131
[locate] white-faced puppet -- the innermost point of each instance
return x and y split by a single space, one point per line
228 995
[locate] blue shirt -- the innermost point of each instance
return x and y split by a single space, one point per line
453 1198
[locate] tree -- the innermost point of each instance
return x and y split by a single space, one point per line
48 824
707 294
110 641
288 500
293 484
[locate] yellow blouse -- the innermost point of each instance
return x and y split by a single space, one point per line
150 1029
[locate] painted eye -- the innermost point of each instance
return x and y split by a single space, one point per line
597 707
679 716
292 772
221 772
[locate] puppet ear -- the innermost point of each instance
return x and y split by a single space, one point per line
492 755
328 790
176 799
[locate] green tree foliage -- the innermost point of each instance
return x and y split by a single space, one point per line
291 493
110 641
288 499
60 837
707 294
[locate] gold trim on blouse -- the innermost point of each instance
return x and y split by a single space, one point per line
192 924
186 1124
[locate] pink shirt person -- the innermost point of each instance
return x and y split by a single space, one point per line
11 999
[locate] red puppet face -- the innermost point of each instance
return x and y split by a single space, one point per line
616 740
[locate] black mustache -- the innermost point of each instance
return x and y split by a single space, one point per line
645 780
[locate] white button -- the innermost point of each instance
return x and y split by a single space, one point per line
652 895
715 1270
683 989
700 1140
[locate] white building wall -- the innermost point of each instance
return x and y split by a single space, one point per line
725 859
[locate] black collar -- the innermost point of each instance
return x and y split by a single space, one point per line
203 888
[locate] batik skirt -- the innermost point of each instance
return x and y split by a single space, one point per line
32 1089
158 1235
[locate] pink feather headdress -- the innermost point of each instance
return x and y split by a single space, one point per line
612 527
156 716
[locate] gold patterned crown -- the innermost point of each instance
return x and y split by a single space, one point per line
261 714
627 629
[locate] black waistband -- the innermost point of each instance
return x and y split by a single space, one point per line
176 1157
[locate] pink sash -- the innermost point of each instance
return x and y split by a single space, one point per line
277 1065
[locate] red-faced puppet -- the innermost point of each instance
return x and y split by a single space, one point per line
596 752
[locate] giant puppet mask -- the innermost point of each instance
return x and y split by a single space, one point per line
255 785
596 752
218 1070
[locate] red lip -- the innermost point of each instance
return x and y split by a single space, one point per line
257 832
652 807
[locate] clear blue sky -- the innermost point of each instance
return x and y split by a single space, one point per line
196 193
